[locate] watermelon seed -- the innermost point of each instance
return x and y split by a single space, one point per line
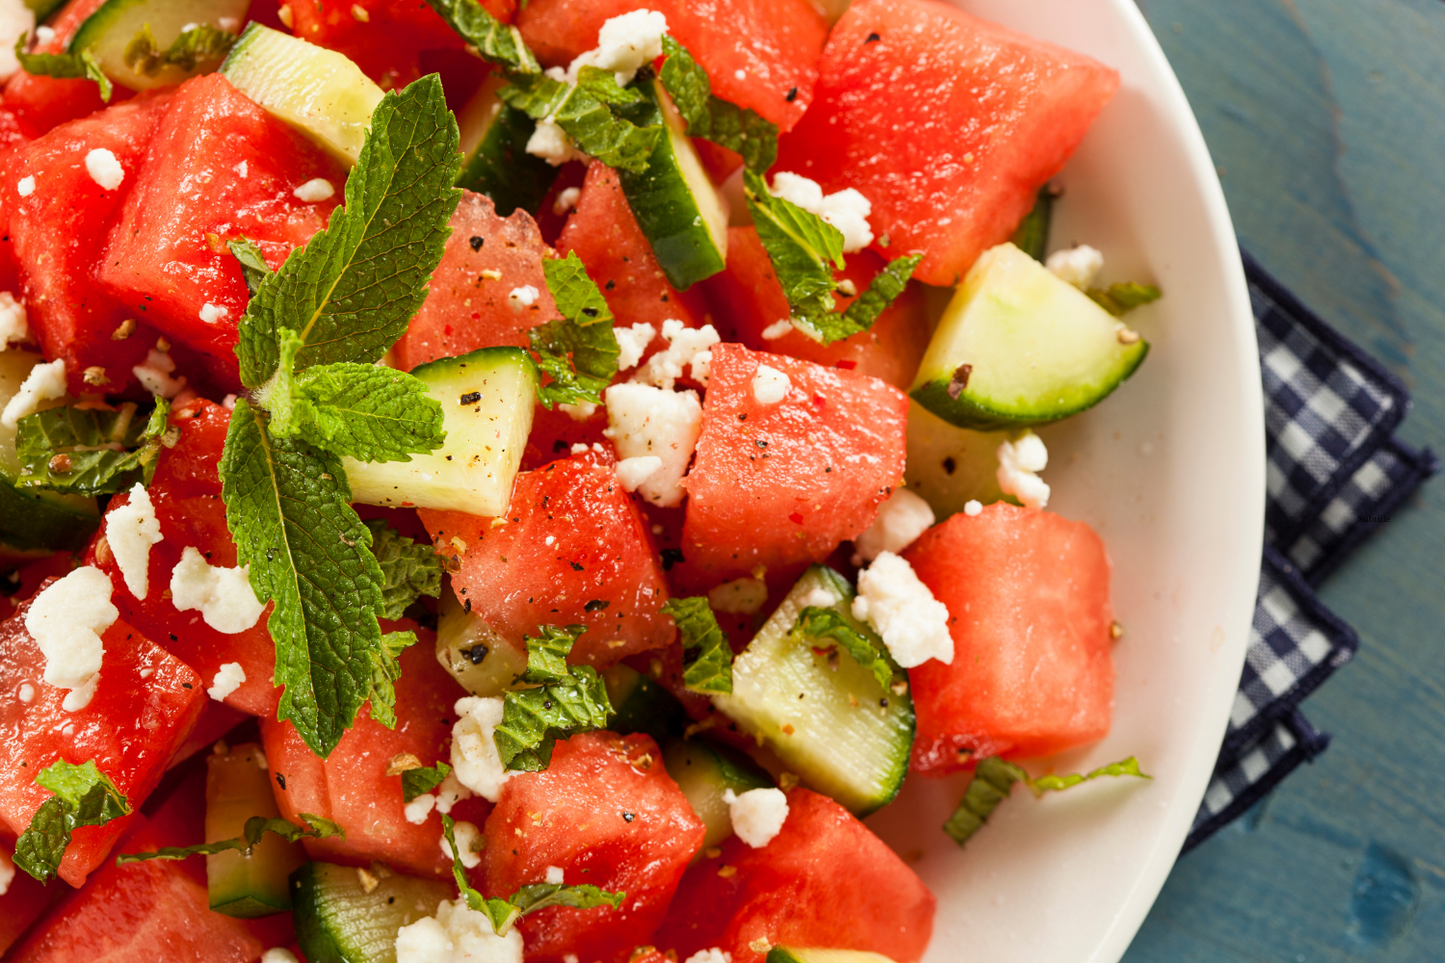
628 817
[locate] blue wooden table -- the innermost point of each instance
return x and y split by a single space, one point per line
1326 119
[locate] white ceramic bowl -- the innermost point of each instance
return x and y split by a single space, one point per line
1170 471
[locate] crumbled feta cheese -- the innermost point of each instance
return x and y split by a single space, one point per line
469 843
316 189
522 297
554 875
451 792
241 169
44 34
632 343
155 374
913 624
66 621
474 757
633 472
230 25
686 348
578 449
211 313
847 210
740 74
27 692
7 872
1019 463
624 44
13 326
16 20
777 329
130 531
566 200
770 385
77 699
1080 266
104 169
743 596
457 934
757 815
46 382
818 597
25 186
710 955
551 143
228 679
578 412
901 519
277 954
972 507
419 808
223 595
646 421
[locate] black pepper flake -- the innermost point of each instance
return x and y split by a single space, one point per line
873 38
742 416
597 605
467 606
628 817
575 566
174 638
671 557
560 445
476 242
959 381
760 443
792 95
470 398
185 685
949 465
280 780
610 284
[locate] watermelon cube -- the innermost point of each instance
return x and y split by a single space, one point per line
41 103
22 903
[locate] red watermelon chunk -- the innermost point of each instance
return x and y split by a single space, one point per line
58 233
750 298
467 305
1033 669
824 880
218 168
40 103
786 483
144 706
22 903
948 124
573 549
605 812
760 54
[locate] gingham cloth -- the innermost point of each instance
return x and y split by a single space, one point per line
1335 473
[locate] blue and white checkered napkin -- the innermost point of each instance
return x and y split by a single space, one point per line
1335 473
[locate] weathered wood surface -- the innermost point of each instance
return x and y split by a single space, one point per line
1326 119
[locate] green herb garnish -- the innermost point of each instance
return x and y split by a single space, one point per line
553 700
251 833
712 118
579 352
708 659
76 65
994 777
84 796
199 45
423 779
870 653
90 451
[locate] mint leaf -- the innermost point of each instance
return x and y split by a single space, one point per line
75 65
803 247
350 292
493 40
580 351
708 666
712 118
255 828
199 45
415 782
409 569
499 912
84 796
90 451
994 777
870 653
585 113
288 507
1032 234
1119 299
385 670
559 700
253 263
865 309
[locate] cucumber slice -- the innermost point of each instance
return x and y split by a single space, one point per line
317 91
1018 346
338 921
494 141
673 200
704 771
824 716
792 954
641 705
107 32
475 655
487 398
950 466
248 886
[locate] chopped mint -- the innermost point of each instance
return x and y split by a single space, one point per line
90 451
416 782
555 700
870 653
84 796
585 112
712 118
251 833
1032 234
63 66
804 248
1119 299
409 569
993 777
495 41
859 316
579 352
708 665
202 44
253 263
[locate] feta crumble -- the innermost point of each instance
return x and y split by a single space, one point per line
1080 266
241 169
66 621
578 412
972 507
228 679
551 143
155 374
104 169
16 20
522 297
25 186
457 934
1019 462
757 815
632 343
469 843
710 955
847 210
566 200
687 349
27 692
913 624
211 313
901 519
474 758
77 699
419 808
7 872
633 472
316 189
645 421
46 382
130 531
223 595
770 385
624 44
554 875
777 329
278 954
743 596
451 792
13 326
819 597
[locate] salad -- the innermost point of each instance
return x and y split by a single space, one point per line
485 483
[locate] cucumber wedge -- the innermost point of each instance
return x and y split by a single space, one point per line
494 141
1018 346
487 398
950 466
791 954
338 921
476 656
642 705
109 31
673 200
704 771
248 886
824 716
317 91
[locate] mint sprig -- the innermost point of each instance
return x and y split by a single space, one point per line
493 40
869 652
201 44
859 316
710 117
253 263
73 65
1124 296
993 777
580 351
255 828
84 796
90 451
708 659
423 779
409 569
589 113
553 700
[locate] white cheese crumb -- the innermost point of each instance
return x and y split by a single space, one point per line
818 597
66 621
457 934
241 169
155 374
687 348
740 74
770 385
551 143
1019 463
522 297
901 519
554 875
16 20
743 596
633 472
44 34
578 412
777 329
316 189
644 421
577 449
419 808
13 326
77 699
469 843
228 679
474 757
570 958
27 692
757 815
104 169
624 44
893 600
46 382
1080 266
130 531
25 186
847 210
451 792
277 954
7 872
223 595
632 343
710 955
566 200
972 507
211 313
